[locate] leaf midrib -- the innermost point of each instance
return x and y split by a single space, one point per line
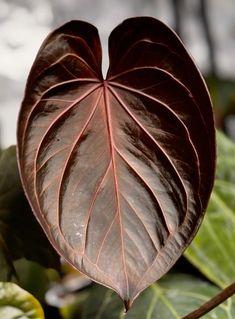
112 154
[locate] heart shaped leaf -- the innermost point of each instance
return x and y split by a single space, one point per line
117 171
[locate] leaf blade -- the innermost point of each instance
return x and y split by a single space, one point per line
102 161
15 302
19 231
171 298
213 245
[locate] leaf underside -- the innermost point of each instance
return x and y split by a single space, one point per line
118 171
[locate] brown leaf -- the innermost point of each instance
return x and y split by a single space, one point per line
117 171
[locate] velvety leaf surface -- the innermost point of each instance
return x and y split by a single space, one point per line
117 171
213 249
171 298
20 234
16 302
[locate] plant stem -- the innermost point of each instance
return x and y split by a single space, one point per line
204 9
177 9
212 303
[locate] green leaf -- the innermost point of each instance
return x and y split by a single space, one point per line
213 249
223 95
20 233
171 298
16 303
32 277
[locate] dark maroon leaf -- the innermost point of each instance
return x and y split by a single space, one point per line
117 171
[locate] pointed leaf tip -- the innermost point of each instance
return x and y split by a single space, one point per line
127 304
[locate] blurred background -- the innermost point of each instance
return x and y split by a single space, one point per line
206 27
